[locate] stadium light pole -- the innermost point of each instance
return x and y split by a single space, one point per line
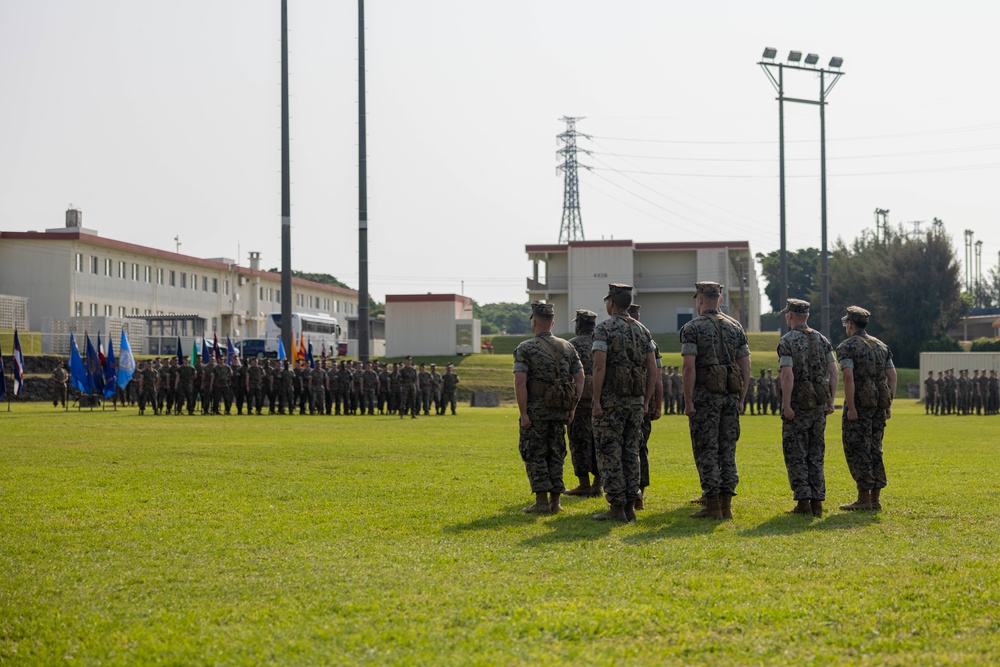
286 197
768 64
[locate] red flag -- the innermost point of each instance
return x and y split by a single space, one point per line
215 345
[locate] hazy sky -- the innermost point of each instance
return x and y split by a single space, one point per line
163 119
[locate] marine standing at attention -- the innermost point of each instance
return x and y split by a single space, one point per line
625 376
716 374
869 385
808 378
548 382
581 429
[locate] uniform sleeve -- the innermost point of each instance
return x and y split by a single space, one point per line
844 356
575 365
744 349
785 353
600 340
520 363
689 341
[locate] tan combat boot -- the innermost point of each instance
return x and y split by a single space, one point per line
862 503
541 505
629 509
712 510
583 489
726 505
554 505
816 506
615 513
802 506
876 505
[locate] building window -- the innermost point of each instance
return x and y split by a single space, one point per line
79 263
121 311
135 272
121 270
204 283
148 312
159 276
78 309
135 311
93 264
215 323
108 267
93 310
215 286
194 281
147 274
107 310
173 279
277 295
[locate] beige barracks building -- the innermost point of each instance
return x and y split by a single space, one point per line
72 272
576 275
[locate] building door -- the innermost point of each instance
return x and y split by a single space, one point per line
683 317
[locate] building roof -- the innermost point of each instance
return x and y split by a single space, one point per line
638 247
124 246
424 298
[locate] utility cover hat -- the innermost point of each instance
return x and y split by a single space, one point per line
707 288
856 314
795 306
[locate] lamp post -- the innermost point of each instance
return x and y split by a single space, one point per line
768 64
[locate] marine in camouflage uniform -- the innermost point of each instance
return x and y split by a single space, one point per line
864 358
581 429
384 389
61 378
930 393
184 389
540 363
238 385
408 389
286 389
436 390
449 385
424 389
369 382
805 358
623 355
255 387
271 385
994 393
709 340
222 391
651 415
763 393
750 400
317 389
149 378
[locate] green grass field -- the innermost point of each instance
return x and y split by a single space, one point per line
374 540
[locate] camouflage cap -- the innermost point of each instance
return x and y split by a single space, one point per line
584 315
542 309
795 306
618 288
633 311
708 288
856 314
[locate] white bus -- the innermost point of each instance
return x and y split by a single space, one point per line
316 328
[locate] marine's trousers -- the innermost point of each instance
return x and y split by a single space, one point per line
804 447
617 439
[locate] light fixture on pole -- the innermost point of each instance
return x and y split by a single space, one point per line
768 65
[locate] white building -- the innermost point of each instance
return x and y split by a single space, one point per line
430 325
577 274
73 272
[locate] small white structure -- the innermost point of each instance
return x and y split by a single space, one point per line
430 324
957 361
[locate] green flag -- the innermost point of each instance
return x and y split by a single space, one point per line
194 351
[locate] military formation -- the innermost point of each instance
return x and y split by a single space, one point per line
962 395
269 386
607 385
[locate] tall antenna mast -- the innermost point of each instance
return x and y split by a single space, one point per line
572 224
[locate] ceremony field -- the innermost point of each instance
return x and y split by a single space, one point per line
374 540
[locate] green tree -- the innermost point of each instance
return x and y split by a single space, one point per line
910 283
803 274
504 317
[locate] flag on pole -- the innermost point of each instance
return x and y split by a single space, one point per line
180 352
3 378
18 366
281 349
230 352
126 362
110 371
205 355
77 372
309 356
302 346
322 352
215 346
194 351
100 350
94 371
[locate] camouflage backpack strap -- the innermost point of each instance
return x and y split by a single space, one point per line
554 352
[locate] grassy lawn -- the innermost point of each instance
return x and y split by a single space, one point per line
374 540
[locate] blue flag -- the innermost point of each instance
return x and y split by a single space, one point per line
180 352
230 352
95 374
281 350
3 378
18 366
309 356
126 362
110 371
205 357
77 373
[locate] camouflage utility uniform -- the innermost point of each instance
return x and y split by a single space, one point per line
581 429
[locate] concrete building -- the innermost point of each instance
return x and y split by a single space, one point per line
72 272
576 275
430 325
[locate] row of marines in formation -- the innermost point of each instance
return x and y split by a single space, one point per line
605 389
349 388
948 395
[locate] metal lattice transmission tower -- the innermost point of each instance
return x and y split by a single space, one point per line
572 224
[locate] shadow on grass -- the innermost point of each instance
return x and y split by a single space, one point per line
672 524
788 524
